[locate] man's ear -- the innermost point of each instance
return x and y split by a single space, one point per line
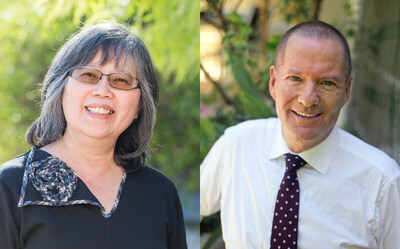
347 91
272 81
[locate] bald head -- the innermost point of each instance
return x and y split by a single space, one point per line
319 30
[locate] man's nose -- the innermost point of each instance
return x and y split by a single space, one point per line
309 94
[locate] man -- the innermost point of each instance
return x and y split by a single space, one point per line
335 191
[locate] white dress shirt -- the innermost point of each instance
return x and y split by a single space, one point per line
349 190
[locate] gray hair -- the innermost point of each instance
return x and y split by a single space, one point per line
118 45
317 29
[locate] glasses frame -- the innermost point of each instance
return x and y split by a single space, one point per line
101 76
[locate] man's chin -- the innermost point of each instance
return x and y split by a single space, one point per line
305 138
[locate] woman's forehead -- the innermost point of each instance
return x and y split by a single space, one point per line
123 62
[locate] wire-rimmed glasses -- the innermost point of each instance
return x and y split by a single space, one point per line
91 75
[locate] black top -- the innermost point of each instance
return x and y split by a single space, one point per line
34 214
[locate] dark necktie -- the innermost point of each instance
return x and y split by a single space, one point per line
285 221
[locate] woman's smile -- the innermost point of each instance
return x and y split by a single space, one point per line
100 110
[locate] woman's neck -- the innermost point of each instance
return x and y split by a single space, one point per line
87 156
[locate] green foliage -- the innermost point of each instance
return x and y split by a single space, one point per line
208 134
31 36
215 234
242 75
250 82
26 51
254 107
296 10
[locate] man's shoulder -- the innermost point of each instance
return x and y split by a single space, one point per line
370 155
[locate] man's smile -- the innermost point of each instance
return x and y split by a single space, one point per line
306 115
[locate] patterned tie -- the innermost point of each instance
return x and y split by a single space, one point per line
284 226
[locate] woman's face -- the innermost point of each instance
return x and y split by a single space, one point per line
98 110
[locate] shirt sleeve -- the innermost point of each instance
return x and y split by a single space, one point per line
211 172
9 229
389 215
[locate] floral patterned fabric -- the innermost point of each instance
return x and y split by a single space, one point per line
54 180
56 183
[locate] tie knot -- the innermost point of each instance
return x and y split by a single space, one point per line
294 162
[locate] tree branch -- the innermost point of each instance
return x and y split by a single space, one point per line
218 87
315 10
218 12
209 20
263 18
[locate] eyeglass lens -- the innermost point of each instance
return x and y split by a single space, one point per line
92 76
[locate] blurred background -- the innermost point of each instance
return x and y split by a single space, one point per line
238 39
31 33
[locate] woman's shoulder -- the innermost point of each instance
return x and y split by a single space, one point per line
151 185
13 166
150 177
153 174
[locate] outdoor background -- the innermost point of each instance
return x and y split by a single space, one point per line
238 39
31 32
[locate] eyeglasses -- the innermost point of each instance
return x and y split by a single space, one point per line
90 75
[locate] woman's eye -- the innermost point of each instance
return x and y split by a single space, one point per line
121 80
294 78
88 74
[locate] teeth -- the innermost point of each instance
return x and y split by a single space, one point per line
306 115
97 110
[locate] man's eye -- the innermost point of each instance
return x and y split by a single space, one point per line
327 83
294 78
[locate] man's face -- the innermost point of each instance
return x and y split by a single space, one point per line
309 89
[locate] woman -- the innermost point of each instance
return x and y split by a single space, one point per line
84 183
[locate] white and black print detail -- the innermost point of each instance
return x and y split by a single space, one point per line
55 181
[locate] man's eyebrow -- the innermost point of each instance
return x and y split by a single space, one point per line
328 77
293 71
332 77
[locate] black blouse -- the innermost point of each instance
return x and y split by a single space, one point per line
35 213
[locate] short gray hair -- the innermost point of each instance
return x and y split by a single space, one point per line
320 30
118 45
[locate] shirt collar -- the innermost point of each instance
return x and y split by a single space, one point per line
29 195
318 157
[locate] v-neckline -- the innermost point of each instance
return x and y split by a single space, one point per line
44 157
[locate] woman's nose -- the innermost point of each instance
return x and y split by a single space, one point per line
103 87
